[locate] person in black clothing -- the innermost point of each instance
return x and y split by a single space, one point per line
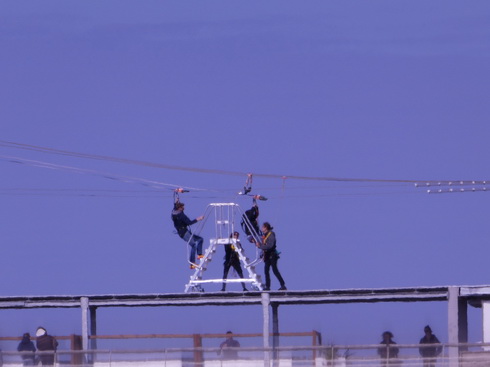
251 218
270 256
232 260
26 345
45 343
429 353
388 351
225 350
181 224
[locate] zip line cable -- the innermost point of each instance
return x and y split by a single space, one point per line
475 186
169 188
282 177
145 182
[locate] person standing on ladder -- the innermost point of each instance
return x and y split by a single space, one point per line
181 224
232 260
270 255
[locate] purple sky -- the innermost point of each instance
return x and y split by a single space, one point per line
394 90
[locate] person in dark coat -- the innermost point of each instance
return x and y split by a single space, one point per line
227 347
270 256
429 353
26 345
46 343
388 351
181 224
251 218
232 260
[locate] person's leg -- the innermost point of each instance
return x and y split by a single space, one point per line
276 272
238 269
189 238
226 268
267 267
199 241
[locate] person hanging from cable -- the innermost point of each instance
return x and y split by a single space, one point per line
270 256
182 224
232 260
250 223
250 218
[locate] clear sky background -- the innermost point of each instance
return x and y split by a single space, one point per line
382 90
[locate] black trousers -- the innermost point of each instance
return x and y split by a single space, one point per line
271 261
236 265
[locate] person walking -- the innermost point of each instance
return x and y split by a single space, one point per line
270 256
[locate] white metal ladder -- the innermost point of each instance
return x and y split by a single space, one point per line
225 215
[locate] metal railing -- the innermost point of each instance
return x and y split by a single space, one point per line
339 356
452 355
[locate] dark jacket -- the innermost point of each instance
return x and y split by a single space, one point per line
26 345
251 215
229 353
268 245
46 342
388 350
231 256
181 222
432 351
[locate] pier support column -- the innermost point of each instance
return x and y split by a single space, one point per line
275 330
84 307
93 326
457 324
485 306
265 329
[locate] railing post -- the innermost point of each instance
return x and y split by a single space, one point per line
76 344
198 357
93 327
457 324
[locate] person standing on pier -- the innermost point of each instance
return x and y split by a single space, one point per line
46 343
271 256
429 353
388 351
228 347
26 345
